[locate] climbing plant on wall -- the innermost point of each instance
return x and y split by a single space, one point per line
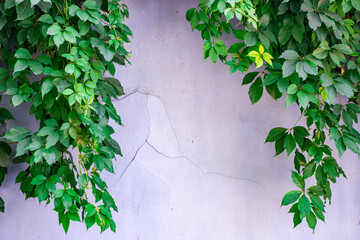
54 57
309 52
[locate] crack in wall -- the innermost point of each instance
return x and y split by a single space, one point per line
204 174
166 111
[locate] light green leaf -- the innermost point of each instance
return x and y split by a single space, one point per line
59 39
52 139
53 29
292 89
20 65
23 53
288 67
343 49
356 4
17 99
290 55
35 67
46 87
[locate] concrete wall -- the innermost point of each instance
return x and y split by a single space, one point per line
194 166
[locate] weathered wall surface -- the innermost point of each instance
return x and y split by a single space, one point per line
194 166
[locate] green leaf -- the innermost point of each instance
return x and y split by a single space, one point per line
17 99
52 139
326 81
343 49
16 134
319 214
23 54
45 131
303 99
24 10
250 39
213 55
290 55
334 133
220 48
53 29
311 220
106 52
38 180
46 87
320 176
289 144
300 133
90 209
46 18
20 65
297 180
314 20
256 91
288 67
68 91
67 201
70 68
272 78
356 4
59 39
5 114
309 170
297 33
317 202
35 67
344 89
70 34
292 89
65 221
290 197
249 78
351 145
275 134
304 206
347 118
89 222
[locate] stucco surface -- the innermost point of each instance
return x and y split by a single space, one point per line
195 165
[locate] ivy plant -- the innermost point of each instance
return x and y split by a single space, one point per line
54 57
309 52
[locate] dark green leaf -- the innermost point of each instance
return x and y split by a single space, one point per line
275 134
249 78
290 197
256 91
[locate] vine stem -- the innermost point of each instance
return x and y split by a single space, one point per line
302 114
88 185
57 6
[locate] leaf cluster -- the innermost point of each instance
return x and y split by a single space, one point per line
55 56
311 51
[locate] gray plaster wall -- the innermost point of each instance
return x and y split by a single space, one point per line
194 166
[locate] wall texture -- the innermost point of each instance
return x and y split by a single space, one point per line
194 165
